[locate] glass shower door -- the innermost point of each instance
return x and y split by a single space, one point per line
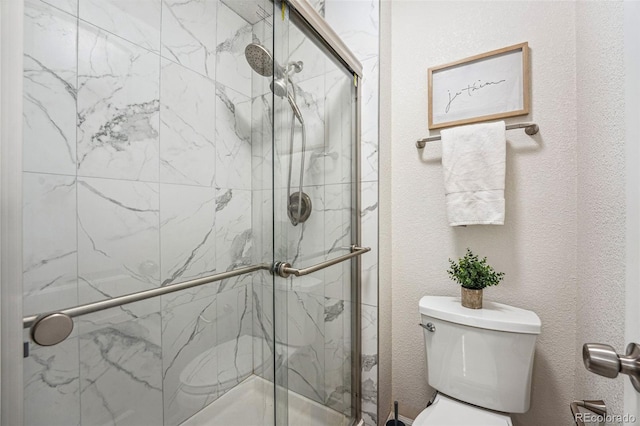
314 184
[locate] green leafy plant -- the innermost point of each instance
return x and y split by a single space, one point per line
470 272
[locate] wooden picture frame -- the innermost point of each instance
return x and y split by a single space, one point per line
483 87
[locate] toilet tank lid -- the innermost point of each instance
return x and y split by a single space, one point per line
492 316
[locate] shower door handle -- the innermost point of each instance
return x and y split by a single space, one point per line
284 269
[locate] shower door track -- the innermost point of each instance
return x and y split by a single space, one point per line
54 327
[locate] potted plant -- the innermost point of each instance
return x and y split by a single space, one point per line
473 275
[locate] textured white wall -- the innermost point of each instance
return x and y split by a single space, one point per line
601 191
537 246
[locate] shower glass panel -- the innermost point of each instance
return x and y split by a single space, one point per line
166 141
313 204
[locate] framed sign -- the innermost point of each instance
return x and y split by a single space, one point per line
484 87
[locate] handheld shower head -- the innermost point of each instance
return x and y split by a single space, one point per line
262 62
280 87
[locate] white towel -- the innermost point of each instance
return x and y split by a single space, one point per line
473 160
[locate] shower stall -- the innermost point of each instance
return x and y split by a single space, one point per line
190 235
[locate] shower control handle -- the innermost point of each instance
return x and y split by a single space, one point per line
603 360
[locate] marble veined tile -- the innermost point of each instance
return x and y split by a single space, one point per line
69 6
235 344
337 239
118 105
369 325
50 253
51 385
263 348
318 5
369 153
49 89
187 239
305 345
338 213
187 128
337 366
262 225
369 262
339 119
234 241
357 24
135 20
233 35
233 139
121 373
118 227
310 97
262 161
302 48
188 335
369 364
189 34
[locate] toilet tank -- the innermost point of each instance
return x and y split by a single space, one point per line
480 356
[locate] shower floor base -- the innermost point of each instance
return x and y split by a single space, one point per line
251 404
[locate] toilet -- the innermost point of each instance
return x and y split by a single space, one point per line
208 375
478 360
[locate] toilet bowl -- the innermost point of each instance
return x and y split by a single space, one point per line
478 360
214 372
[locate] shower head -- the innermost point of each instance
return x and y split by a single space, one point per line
260 59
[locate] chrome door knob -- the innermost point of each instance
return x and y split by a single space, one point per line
603 360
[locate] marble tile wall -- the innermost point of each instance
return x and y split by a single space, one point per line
137 174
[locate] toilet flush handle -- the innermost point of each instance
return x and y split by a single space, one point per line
428 326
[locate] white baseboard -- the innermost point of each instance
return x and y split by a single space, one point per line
407 421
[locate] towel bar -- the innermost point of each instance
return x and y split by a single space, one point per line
529 128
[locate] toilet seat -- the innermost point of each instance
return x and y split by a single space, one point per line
448 412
